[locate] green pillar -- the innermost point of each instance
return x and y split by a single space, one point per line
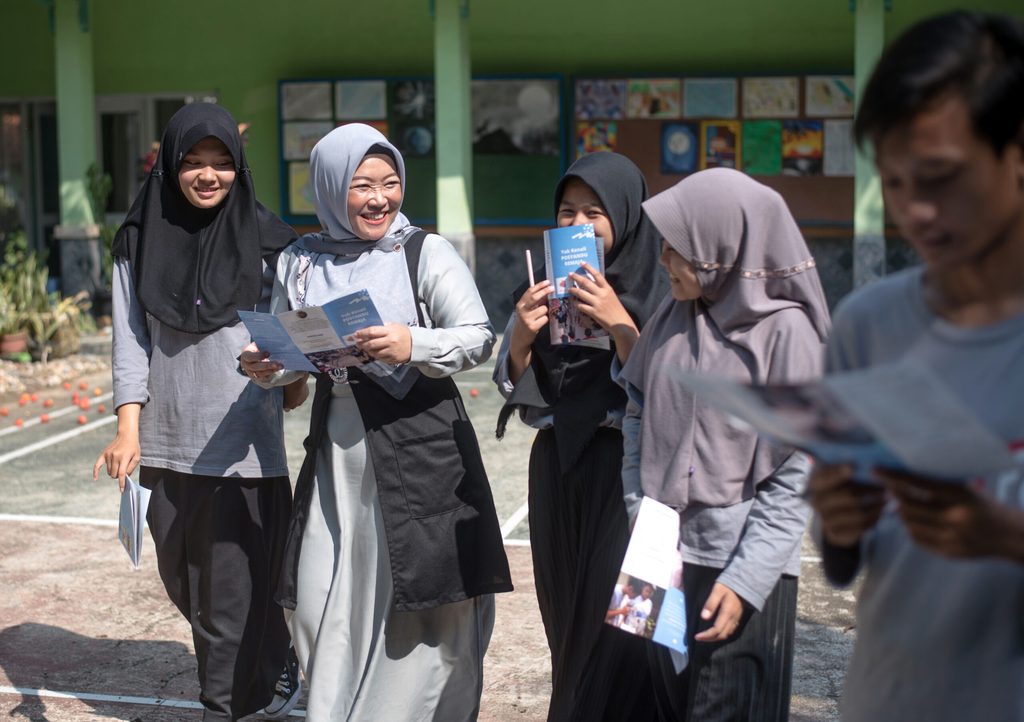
76 146
869 209
454 126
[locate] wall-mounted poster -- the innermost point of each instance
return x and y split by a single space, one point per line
771 97
299 138
360 99
720 144
515 117
381 125
600 99
414 138
829 95
802 147
595 137
679 147
762 147
839 155
306 101
300 195
653 98
412 99
709 98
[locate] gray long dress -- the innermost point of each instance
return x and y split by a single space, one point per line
363 661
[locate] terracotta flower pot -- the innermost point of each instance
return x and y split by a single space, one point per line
12 343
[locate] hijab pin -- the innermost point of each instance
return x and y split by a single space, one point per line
398 247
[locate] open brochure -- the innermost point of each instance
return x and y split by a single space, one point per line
898 415
317 338
566 249
648 598
131 520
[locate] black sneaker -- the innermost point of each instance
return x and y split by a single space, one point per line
287 689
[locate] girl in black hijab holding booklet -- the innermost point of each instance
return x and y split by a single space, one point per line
195 248
577 518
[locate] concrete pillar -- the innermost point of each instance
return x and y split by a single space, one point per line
869 209
78 232
453 122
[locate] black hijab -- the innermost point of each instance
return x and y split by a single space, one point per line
195 267
575 381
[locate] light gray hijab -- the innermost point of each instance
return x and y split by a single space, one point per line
762 318
332 164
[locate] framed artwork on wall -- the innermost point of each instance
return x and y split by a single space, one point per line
720 144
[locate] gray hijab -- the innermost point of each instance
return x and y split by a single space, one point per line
762 318
332 164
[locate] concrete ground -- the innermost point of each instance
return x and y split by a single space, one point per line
83 637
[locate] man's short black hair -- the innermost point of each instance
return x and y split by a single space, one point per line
977 56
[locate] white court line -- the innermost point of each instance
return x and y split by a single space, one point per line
26 450
513 521
39 519
811 560
56 414
83 521
123 699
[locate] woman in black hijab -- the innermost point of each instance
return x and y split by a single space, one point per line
578 527
196 247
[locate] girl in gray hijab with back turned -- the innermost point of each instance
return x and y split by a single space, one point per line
746 302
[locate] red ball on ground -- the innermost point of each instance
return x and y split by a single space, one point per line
34 397
4 411
19 422
474 393
48 403
81 419
83 404
101 408
67 385
97 391
44 418
82 385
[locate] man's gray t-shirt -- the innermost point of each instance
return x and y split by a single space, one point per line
937 639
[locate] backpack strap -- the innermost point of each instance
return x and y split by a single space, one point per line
413 248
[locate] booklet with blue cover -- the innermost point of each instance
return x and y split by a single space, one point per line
566 249
897 415
131 520
648 598
316 338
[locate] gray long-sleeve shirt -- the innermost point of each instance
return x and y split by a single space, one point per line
199 415
460 335
754 541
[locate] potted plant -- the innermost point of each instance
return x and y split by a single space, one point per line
13 338
51 323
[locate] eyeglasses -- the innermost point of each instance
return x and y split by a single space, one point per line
365 190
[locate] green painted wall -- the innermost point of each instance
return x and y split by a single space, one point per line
239 50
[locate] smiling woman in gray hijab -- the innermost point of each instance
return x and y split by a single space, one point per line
746 303
394 550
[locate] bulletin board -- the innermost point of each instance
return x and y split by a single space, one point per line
793 133
519 141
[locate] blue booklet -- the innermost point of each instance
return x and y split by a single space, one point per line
316 338
897 416
131 520
566 249
648 599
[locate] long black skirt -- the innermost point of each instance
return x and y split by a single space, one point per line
746 678
218 546
578 535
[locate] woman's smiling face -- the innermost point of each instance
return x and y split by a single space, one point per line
374 197
206 173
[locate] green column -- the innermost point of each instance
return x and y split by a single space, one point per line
454 130
869 210
76 145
